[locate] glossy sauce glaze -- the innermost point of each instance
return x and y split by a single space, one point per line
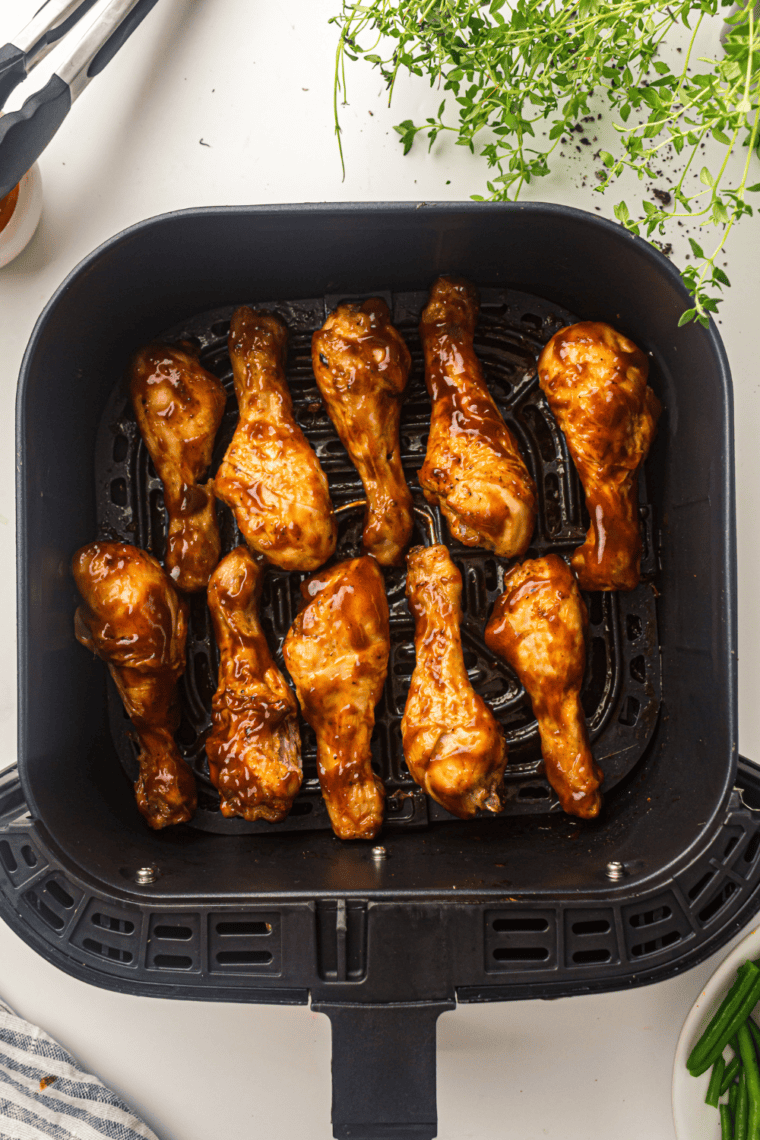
361 365
453 744
270 476
133 619
473 469
179 407
539 627
595 380
337 654
254 748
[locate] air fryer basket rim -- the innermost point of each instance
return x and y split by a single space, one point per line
350 209
383 963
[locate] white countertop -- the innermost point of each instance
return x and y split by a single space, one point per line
253 80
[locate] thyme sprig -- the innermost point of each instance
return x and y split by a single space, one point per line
509 69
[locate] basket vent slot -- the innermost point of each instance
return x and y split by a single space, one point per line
520 939
110 922
752 848
53 920
174 941
587 957
633 627
649 917
591 926
718 901
245 943
629 713
54 902
173 933
590 937
29 856
523 924
243 957
109 933
654 924
7 857
534 792
173 961
521 953
257 927
60 894
643 948
114 953
701 883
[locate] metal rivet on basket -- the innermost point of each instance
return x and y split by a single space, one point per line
379 853
146 875
614 869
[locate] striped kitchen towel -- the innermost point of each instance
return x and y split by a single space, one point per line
45 1095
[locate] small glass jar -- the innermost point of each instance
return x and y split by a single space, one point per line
20 215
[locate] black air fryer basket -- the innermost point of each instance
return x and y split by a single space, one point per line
531 903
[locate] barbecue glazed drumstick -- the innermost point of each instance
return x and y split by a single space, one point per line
538 626
453 745
362 365
254 748
270 476
596 383
179 407
473 470
337 654
132 617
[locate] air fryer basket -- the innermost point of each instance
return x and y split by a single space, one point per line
518 906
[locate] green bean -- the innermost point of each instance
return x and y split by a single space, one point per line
726 1123
742 1106
733 1096
754 1030
752 1075
733 1012
716 1079
732 1068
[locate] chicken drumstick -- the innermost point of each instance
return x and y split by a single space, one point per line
132 617
254 748
596 383
270 476
179 407
538 626
362 365
473 470
337 654
453 745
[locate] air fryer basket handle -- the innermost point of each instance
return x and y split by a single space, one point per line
383 1069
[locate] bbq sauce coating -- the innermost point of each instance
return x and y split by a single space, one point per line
453 744
596 383
254 748
179 407
337 654
133 619
538 626
473 469
361 364
270 476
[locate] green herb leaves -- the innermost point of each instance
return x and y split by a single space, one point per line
508 69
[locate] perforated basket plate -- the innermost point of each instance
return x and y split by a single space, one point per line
621 689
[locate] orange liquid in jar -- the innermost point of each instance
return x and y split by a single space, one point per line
7 206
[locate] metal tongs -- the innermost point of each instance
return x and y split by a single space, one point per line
25 133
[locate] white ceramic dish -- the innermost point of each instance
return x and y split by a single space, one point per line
693 1119
25 218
